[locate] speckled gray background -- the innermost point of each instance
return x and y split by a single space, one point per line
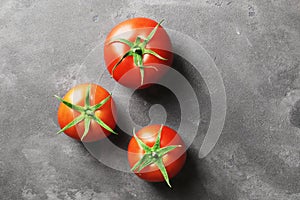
256 46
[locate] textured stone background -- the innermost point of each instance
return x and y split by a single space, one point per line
256 46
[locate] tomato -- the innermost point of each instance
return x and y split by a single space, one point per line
138 51
87 113
156 153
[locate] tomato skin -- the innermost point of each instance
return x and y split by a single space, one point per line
107 113
173 160
127 73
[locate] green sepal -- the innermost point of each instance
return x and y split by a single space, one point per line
138 61
166 150
141 161
97 106
72 123
150 67
141 37
156 145
163 170
142 72
124 41
87 122
148 162
102 124
70 105
149 51
137 40
128 53
87 97
142 144
149 37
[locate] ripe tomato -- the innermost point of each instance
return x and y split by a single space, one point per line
156 153
87 113
138 51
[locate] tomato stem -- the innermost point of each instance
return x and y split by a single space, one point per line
138 50
87 114
154 155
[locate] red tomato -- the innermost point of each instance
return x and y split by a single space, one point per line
172 159
93 119
148 57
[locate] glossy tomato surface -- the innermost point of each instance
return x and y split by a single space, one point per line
127 73
76 96
173 160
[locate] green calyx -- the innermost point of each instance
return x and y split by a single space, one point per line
153 155
137 50
87 114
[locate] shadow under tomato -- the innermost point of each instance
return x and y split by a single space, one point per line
121 140
187 184
142 101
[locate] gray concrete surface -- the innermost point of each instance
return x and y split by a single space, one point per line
256 46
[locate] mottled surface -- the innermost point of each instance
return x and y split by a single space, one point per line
256 46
